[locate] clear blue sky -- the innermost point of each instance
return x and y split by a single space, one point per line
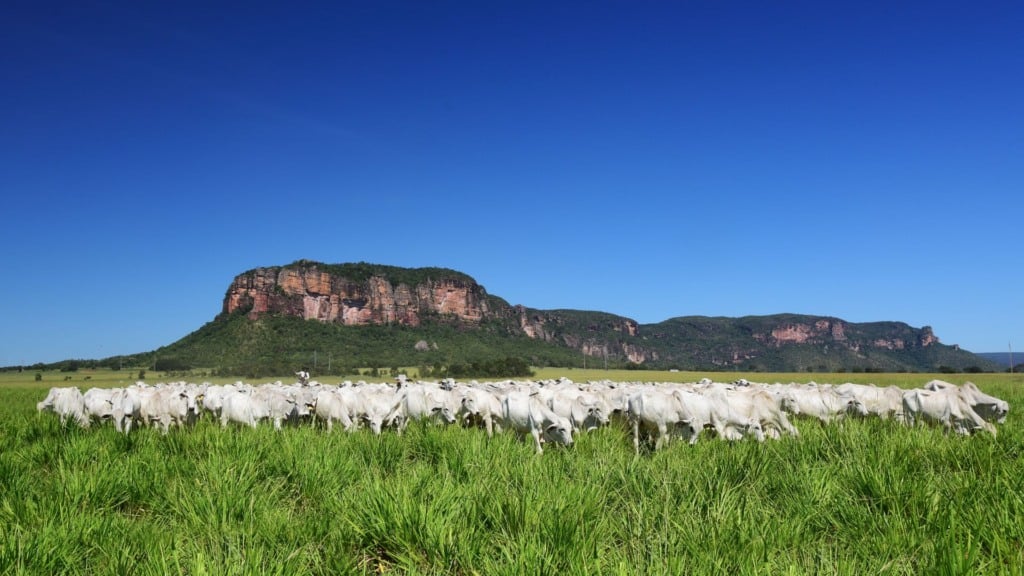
863 160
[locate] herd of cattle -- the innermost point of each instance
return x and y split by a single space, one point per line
549 411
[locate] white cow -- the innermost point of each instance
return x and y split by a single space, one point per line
738 412
331 406
99 404
372 404
525 414
125 404
988 407
241 407
280 403
616 398
305 399
826 403
657 412
266 402
116 404
701 411
882 402
586 411
213 399
947 407
65 403
481 407
784 398
172 404
420 401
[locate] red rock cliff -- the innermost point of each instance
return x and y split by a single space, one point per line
312 292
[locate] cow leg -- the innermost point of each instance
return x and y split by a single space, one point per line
636 436
695 432
662 437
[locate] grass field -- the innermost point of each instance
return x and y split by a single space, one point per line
861 497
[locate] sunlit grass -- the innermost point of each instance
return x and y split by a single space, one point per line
861 497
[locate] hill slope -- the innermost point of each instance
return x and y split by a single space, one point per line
336 317
1004 359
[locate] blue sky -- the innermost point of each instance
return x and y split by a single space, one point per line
649 159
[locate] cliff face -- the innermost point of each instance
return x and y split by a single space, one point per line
368 294
596 334
890 336
315 293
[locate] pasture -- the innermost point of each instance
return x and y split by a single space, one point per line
857 497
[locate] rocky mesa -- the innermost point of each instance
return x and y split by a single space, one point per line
348 296
356 294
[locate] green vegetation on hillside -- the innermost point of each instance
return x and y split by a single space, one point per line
363 271
280 342
281 345
721 343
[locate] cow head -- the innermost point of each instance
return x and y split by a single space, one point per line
596 417
754 428
855 406
788 403
375 424
190 397
994 411
443 413
559 433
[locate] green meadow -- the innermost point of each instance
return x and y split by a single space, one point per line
857 497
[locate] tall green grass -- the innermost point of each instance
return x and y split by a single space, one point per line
857 497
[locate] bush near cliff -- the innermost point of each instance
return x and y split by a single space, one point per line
363 271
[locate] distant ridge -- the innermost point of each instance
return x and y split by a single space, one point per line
1003 358
342 316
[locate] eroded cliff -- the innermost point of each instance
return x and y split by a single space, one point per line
354 297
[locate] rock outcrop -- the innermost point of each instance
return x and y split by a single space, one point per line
322 292
367 294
